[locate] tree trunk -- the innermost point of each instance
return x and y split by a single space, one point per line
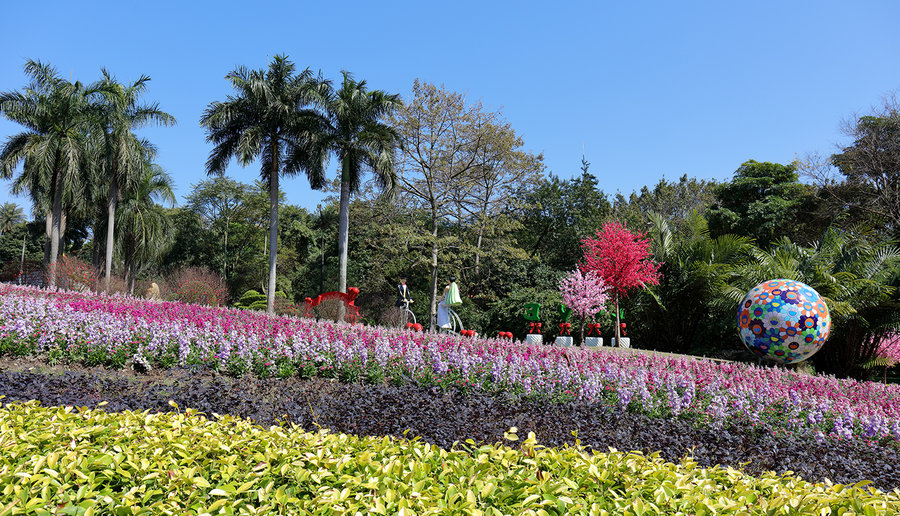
225 251
95 250
344 224
618 324
273 235
434 272
481 222
478 249
110 228
48 225
55 229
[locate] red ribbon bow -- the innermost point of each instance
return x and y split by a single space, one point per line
505 335
622 327
535 327
564 328
594 329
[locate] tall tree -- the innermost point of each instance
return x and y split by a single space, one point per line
354 130
503 176
622 259
11 215
145 229
267 120
57 115
559 214
676 201
764 201
695 267
871 167
219 202
455 154
123 152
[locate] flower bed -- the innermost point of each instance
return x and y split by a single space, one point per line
446 417
114 331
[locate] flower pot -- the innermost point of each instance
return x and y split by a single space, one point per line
624 342
534 339
564 340
593 341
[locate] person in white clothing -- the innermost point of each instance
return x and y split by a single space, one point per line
451 298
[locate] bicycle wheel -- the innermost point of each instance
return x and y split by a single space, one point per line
406 317
455 323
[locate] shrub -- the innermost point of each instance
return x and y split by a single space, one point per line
75 274
180 463
30 272
249 298
253 300
198 285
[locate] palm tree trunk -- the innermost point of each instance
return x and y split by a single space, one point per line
344 224
48 225
110 227
273 234
55 230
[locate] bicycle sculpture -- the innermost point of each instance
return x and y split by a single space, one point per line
454 323
405 317
448 320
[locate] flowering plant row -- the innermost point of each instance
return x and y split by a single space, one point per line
97 329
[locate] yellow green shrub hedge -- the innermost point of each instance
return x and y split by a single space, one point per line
78 461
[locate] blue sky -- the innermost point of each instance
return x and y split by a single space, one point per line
651 89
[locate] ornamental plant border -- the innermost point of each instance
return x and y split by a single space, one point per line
96 329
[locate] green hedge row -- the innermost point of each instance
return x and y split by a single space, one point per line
76 461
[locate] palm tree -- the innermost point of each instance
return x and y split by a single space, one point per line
267 120
694 267
56 115
11 215
353 130
854 271
145 230
123 152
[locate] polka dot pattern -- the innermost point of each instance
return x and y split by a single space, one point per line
784 320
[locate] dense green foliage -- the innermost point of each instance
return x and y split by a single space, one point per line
468 201
92 462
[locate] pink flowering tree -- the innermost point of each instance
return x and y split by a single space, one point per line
888 354
890 348
622 259
585 293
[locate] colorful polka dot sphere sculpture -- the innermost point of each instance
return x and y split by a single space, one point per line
784 320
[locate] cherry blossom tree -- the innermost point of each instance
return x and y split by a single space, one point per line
622 259
584 293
